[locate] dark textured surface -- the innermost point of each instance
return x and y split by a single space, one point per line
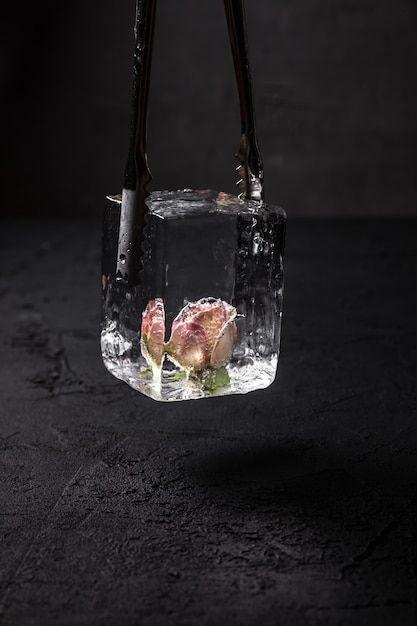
335 94
292 506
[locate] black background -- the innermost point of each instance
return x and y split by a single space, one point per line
334 88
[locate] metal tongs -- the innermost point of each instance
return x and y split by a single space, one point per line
137 174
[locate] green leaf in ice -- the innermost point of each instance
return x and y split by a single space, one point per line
213 378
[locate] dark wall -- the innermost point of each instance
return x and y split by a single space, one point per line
334 88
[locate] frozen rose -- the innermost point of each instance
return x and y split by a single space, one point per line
153 332
203 334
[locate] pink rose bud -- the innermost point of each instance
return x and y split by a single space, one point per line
203 334
153 332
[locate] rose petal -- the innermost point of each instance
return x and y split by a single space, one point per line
188 345
153 332
191 309
212 320
224 345
154 310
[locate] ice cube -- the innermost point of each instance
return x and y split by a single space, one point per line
205 319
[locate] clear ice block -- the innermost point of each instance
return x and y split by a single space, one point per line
205 319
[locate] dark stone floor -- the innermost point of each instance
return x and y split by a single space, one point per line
292 506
